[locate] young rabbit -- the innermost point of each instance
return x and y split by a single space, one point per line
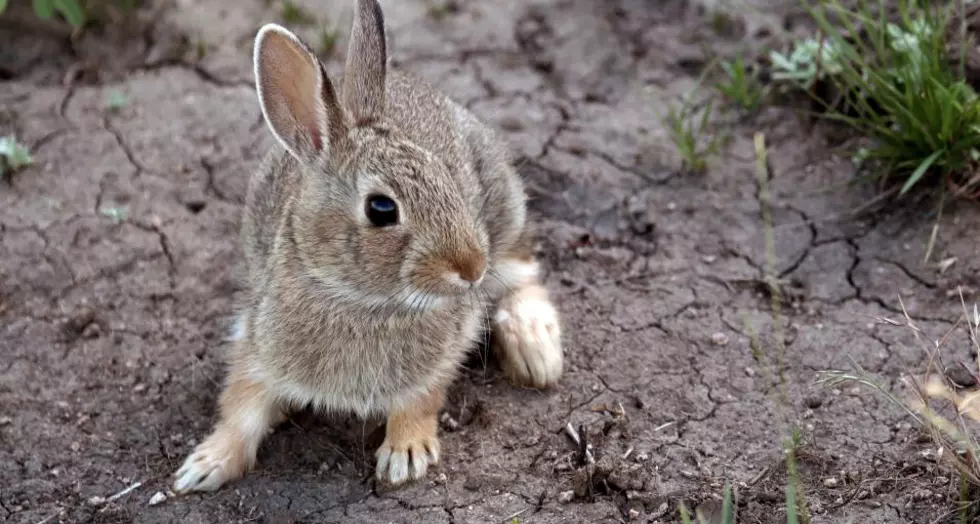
377 240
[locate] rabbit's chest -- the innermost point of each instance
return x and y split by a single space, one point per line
373 368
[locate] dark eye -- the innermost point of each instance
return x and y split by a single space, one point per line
381 211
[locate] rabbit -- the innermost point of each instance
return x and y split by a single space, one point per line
380 240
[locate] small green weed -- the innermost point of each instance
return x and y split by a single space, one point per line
328 41
116 214
13 156
741 86
116 101
75 12
690 135
442 8
721 22
727 510
70 10
200 49
292 13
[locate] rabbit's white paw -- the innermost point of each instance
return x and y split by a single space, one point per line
527 335
408 459
214 462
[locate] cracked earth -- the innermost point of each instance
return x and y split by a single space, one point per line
119 265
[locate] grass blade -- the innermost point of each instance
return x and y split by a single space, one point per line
72 11
727 511
920 171
791 517
44 9
685 517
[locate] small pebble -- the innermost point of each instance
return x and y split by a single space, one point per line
830 482
5 421
632 514
157 498
91 331
442 478
566 496
719 339
960 376
96 501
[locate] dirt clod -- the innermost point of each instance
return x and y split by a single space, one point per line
719 339
961 376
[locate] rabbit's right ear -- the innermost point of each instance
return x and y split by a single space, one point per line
297 98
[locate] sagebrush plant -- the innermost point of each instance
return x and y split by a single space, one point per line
896 85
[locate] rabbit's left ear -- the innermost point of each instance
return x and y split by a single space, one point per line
367 64
296 96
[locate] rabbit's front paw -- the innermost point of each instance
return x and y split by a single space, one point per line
527 335
402 460
214 462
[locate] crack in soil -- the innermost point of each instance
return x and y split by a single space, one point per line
107 125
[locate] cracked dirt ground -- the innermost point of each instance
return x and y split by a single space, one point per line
119 263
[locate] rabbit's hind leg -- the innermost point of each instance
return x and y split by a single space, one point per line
527 328
247 413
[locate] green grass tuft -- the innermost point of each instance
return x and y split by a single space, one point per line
116 101
740 86
13 156
76 12
896 85
294 14
440 9
328 41
691 135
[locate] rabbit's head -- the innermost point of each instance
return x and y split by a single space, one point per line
377 219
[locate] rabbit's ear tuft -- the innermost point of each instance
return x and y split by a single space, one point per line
297 98
367 64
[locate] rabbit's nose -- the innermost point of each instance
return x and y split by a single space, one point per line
471 268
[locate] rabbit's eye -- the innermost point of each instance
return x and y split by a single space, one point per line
381 211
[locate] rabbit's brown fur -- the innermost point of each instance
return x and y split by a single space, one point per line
344 314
